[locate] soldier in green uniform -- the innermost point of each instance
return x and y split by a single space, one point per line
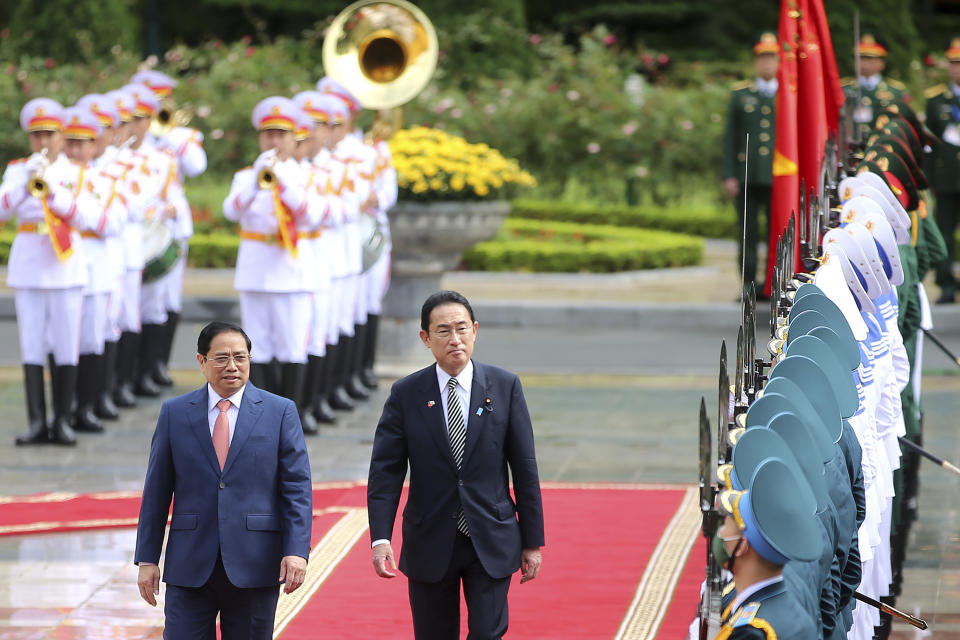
871 91
943 119
751 110
765 527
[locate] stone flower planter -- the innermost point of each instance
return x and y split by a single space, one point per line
428 239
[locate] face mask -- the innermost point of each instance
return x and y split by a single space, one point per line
720 553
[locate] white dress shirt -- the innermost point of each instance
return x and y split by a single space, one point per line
465 380
213 411
768 87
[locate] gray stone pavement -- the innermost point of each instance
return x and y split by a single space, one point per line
613 368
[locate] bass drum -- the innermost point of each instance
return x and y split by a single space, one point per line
373 241
160 250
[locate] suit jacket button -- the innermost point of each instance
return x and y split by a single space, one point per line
459 483
453 516
223 485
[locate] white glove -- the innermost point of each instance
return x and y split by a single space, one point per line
36 162
265 159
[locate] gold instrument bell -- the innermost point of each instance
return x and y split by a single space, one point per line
266 178
36 185
168 117
384 51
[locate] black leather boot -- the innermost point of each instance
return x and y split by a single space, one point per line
127 349
160 373
322 410
354 385
151 342
84 418
367 376
292 376
311 388
65 385
259 374
106 409
37 432
338 397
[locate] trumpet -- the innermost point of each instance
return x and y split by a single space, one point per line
168 117
266 178
36 185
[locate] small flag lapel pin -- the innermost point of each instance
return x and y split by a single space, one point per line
430 403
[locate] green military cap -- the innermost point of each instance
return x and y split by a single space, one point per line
815 323
872 45
767 43
891 140
844 388
757 445
805 373
835 320
806 289
952 50
797 437
822 434
907 113
778 525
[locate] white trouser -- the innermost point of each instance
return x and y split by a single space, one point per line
49 320
152 307
338 290
348 304
114 310
93 323
377 282
278 325
130 312
320 317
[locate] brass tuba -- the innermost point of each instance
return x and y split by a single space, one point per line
384 51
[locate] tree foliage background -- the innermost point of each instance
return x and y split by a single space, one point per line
597 99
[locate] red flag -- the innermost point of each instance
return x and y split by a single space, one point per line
832 89
811 103
786 180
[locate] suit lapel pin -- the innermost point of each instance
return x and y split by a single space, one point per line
489 404
430 404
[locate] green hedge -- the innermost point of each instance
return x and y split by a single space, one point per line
528 245
697 221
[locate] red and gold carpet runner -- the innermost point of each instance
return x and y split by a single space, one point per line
621 561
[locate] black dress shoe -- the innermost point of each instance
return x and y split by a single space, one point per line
323 412
309 423
84 420
160 375
356 389
340 400
106 409
146 387
124 396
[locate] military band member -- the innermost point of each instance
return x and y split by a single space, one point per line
120 356
185 144
347 281
107 162
752 110
82 129
361 162
943 119
274 277
327 180
46 267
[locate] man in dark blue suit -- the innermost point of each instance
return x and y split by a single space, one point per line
459 424
234 459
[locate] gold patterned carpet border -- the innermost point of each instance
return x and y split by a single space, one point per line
324 558
649 606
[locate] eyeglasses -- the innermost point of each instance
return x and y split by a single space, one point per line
445 334
222 360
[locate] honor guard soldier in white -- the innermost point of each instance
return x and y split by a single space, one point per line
46 269
272 205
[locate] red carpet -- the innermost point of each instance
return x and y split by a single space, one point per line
600 544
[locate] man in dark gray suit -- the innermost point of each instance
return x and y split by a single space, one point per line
459 424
